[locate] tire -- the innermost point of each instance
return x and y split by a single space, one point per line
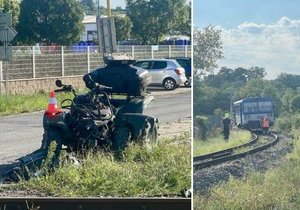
121 139
187 83
154 134
48 137
169 84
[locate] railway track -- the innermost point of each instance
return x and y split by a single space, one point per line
233 153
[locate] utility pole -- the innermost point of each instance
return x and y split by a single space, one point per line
108 8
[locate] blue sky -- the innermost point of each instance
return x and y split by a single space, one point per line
263 33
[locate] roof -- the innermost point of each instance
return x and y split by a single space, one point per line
156 59
253 99
89 19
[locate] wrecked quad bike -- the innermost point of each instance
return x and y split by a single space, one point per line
98 120
109 116
95 120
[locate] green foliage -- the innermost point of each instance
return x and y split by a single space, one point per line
12 7
89 7
289 80
49 22
207 50
163 169
201 122
152 19
182 26
123 27
295 104
287 122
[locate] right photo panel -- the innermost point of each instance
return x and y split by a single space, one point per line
246 104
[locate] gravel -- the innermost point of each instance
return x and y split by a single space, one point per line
261 161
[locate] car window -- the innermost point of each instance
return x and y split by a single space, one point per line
174 64
159 65
143 64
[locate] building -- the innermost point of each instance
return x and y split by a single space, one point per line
90 29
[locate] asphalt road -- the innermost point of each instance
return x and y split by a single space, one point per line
22 134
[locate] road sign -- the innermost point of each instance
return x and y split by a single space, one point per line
5 19
7 33
5 53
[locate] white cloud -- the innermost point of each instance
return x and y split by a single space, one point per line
276 47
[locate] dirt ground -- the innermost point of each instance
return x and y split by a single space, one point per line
174 129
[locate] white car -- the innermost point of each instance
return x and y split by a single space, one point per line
165 72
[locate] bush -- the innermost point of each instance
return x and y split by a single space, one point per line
295 104
202 125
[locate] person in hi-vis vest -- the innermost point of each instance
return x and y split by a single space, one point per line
265 124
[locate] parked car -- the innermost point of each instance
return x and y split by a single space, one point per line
185 62
165 72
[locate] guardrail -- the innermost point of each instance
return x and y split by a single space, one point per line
32 62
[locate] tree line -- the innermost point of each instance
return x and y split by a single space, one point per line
60 22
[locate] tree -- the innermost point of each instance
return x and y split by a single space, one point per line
290 80
207 50
12 7
123 27
295 104
182 25
152 19
89 7
50 22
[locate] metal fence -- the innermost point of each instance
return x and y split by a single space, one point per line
29 62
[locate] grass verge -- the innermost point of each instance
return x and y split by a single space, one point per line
163 169
14 104
278 188
217 143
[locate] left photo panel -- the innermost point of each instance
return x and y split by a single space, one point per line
95 104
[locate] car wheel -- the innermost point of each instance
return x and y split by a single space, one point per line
187 83
49 137
169 84
154 134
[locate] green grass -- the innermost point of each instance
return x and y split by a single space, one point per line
14 104
163 169
278 188
217 143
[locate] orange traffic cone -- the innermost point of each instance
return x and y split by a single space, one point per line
52 105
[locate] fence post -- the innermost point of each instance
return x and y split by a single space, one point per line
152 52
1 76
1 72
170 52
88 59
132 51
62 61
186 50
33 62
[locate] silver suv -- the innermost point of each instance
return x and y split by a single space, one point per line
165 72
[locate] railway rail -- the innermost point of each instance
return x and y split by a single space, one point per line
215 158
95 203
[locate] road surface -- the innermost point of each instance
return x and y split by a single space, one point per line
22 134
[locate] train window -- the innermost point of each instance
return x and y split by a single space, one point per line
250 107
237 109
265 106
